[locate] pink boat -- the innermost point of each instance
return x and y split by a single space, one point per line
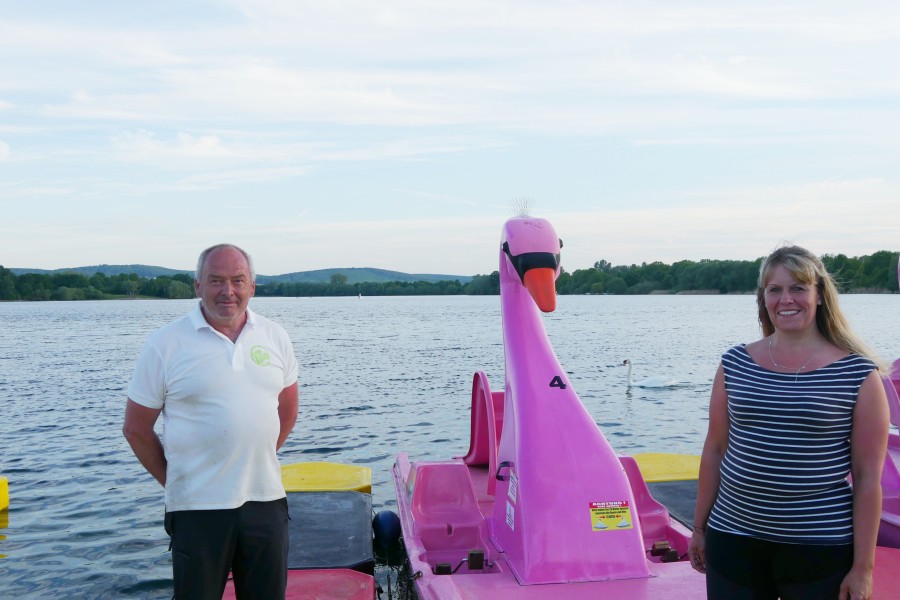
889 532
541 506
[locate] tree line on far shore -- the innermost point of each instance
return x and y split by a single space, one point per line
76 286
875 273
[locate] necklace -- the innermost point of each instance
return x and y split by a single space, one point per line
797 372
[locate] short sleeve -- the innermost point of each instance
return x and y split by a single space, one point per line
291 368
148 383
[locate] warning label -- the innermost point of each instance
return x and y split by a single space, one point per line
511 516
513 490
610 516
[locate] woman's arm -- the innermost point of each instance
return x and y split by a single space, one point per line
708 482
868 446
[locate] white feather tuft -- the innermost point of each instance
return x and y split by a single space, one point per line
522 206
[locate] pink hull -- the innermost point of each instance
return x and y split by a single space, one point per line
673 580
462 525
889 532
680 584
887 574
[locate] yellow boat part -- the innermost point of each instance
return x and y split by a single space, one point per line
4 493
661 466
326 477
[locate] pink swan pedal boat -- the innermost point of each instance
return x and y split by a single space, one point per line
541 506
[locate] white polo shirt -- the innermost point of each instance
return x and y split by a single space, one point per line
220 408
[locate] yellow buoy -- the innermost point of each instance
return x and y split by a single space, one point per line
660 466
4 493
326 477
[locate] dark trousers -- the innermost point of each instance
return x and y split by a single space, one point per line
250 541
739 567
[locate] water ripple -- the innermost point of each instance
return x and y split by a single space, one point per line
376 377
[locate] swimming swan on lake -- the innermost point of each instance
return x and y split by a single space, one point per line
654 381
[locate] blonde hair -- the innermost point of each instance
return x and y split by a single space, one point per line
807 268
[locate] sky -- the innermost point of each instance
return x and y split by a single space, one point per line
401 134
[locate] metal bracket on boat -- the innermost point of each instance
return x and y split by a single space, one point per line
475 560
504 465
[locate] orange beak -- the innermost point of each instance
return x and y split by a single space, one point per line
541 283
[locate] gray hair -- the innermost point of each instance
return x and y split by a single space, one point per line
211 249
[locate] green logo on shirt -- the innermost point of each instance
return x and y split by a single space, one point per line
260 356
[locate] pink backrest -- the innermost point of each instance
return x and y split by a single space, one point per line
654 517
485 429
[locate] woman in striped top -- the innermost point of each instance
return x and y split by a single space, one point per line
791 416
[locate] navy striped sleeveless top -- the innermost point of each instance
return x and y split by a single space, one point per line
784 474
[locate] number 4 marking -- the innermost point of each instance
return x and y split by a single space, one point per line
557 382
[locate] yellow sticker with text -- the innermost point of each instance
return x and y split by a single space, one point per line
611 516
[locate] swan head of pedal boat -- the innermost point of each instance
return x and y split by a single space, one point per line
531 252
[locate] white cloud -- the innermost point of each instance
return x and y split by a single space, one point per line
694 125
739 224
144 144
432 63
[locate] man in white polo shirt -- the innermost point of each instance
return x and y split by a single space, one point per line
225 381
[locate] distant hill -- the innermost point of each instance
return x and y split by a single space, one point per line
145 271
359 275
354 275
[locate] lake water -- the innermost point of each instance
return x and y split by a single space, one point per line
378 375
